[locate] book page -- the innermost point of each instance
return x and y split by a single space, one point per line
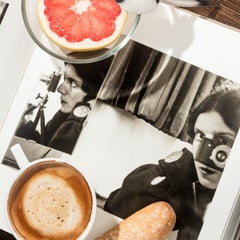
16 48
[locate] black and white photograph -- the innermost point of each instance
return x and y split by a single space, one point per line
58 108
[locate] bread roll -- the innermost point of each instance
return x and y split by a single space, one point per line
153 222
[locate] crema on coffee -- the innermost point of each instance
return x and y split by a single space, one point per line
50 200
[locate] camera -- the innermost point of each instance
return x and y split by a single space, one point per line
52 81
212 153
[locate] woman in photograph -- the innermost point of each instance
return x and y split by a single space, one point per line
78 90
186 179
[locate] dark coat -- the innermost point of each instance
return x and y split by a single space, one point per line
60 133
173 180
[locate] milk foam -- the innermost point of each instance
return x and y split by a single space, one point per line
50 205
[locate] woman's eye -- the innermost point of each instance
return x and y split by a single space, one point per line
220 140
223 140
73 84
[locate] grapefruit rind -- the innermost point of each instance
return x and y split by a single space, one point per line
86 44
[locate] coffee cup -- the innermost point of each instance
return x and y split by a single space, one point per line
50 199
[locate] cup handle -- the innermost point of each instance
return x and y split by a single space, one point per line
19 155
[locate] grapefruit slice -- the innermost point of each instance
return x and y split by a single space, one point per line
81 25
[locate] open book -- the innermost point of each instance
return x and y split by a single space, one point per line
140 112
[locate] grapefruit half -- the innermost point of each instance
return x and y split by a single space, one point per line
81 25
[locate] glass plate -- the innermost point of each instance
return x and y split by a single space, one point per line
29 13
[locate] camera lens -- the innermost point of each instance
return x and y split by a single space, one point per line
220 154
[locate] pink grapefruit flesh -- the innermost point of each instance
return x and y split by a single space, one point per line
81 25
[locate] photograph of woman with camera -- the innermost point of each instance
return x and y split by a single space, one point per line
77 93
186 179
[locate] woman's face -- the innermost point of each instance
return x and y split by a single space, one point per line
70 90
210 125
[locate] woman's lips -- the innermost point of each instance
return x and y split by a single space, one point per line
206 170
63 102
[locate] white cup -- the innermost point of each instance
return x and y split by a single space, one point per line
40 169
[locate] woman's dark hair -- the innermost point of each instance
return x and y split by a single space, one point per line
92 75
225 102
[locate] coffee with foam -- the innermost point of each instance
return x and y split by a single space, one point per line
50 200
